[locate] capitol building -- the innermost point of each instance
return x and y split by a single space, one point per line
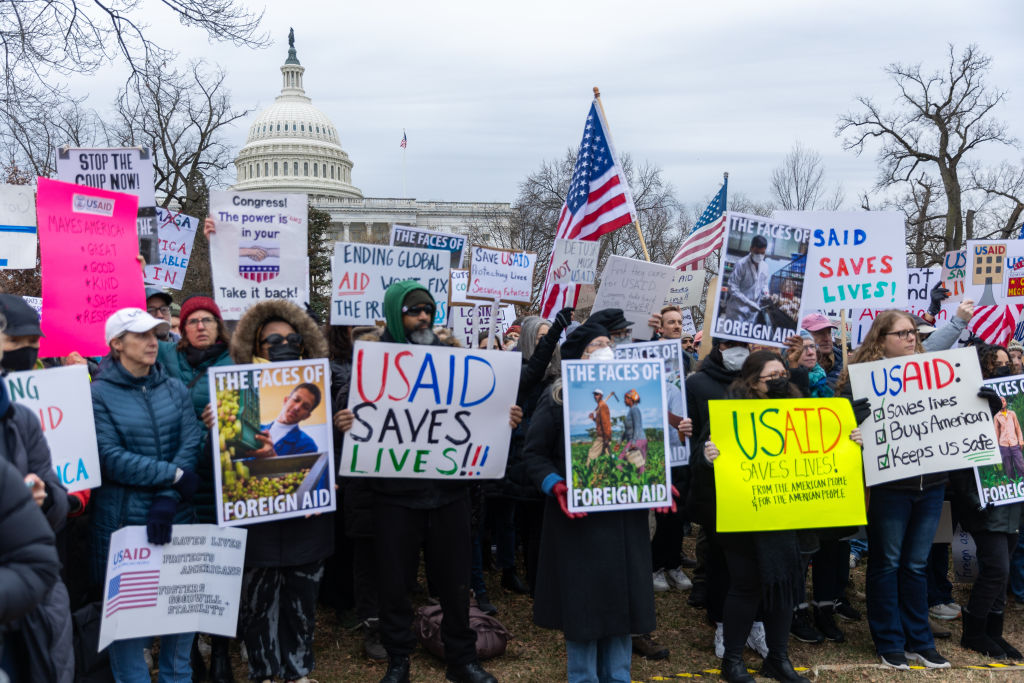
293 147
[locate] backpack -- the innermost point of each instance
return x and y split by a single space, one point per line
491 635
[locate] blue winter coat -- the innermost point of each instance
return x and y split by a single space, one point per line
145 429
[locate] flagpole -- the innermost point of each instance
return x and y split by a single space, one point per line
403 165
608 132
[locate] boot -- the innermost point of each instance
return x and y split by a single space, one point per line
196 660
220 660
734 670
780 668
975 638
398 669
824 621
994 630
469 673
802 627
510 581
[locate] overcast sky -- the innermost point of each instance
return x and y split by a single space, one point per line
486 91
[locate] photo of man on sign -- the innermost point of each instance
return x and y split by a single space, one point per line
283 436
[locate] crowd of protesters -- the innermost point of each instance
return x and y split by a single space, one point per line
592 577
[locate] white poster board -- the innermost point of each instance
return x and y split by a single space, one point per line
467 322
62 400
177 234
259 251
995 272
429 412
193 583
670 351
574 262
18 235
687 288
639 288
919 285
689 327
410 236
926 416
458 284
361 273
502 274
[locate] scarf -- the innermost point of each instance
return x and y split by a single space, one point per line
197 357
818 381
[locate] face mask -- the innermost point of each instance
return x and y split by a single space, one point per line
1002 371
284 351
757 258
733 357
603 354
20 359
778 387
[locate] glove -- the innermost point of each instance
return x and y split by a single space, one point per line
160 520
861 409
671 509
561 493
564 317
995 403
937 295
187 485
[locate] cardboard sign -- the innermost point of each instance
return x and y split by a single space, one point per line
637 287
786 464
965 557
926 416
919 286
687 288
995 272
126 169
954 273
89 270
429 412
458 284
259 251
408 236
467 322
273 441
193 583
1001 483
36 302
177 233
671 351
17 227
574 262
855 259
689 326
361 273
762 293
616 435
501 274
62 400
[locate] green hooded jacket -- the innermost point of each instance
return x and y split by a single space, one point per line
393 298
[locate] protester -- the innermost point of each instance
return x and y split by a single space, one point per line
149 439
620 330
1016 351
412 513
830 356
204 345
158 305
284 559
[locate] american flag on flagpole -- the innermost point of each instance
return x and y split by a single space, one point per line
132 590
598 202
405 140
707 236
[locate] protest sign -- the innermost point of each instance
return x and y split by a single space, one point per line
36 302
786 464
918 291
259 251
467 322
639 288
89 269
762 278
17 227
124 169
995 272
62 400
409 236
501 274
177 233
1001 483
458 283
671 351
616 434
954 273
687 289
193 583
965 557
429 412
361 273
689 327
574 262
926 416
855 259
273 453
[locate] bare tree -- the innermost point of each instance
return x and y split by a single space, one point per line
940 118
798 183
1003 207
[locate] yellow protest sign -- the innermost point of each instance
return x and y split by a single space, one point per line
786 464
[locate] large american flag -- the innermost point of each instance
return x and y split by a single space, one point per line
995 324
598 202
132 590
707 236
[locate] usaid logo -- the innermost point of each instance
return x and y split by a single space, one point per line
131 554
81 203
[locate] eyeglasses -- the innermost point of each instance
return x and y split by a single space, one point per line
417 311
205 322
275 339
774 375
161 310
903 334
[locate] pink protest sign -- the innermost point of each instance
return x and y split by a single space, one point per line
88 245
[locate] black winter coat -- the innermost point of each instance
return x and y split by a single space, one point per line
1003 519
594 573
709 383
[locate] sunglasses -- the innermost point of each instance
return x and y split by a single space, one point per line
418 310
275 339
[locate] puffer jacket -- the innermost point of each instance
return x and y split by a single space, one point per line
146 430
25 447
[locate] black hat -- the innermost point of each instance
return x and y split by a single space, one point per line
418 296
576 343
156 291
22 320
610 319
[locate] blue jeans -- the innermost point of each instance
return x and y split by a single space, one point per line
129 667
901 526
600 661
1017 569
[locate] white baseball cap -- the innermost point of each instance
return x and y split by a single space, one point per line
132 320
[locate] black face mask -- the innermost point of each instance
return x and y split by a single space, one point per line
1001 371
20 359
777 387
284 351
